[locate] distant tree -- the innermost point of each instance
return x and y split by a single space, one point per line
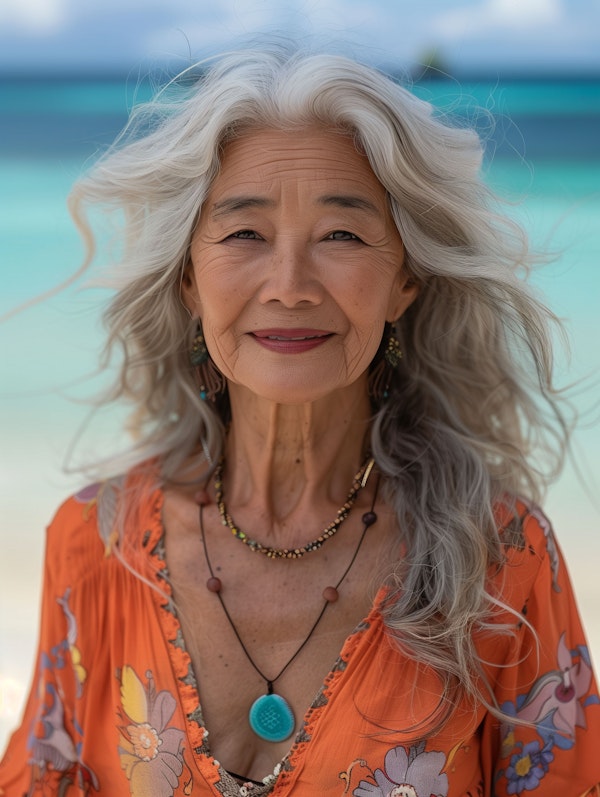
431 65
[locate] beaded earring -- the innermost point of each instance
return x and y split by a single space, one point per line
381 375
211 380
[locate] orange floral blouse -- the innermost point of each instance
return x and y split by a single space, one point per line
115 708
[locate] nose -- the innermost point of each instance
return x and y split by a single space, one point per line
291 276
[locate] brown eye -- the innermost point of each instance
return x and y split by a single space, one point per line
246 235
342 235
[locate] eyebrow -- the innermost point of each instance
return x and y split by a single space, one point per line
234 203
350 201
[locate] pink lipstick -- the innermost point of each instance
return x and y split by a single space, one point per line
291 341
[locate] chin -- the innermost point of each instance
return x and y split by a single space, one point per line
296 392
289 392
294 396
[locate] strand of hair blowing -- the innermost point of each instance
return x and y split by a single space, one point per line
472 418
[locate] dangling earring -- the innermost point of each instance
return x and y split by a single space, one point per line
212 382
381 375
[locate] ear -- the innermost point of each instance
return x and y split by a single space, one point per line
403 294
189 291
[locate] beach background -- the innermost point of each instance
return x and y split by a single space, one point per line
543 156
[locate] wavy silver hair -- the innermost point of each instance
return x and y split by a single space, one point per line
472 419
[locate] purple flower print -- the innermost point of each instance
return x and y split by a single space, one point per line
528 767
53 754
416 774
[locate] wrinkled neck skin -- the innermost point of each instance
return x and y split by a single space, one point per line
284 460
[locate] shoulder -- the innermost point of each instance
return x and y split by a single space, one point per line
91 524
530 555
527 537
524 528
72 541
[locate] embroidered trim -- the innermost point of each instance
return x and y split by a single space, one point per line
187 683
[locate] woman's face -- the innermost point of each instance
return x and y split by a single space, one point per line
295 265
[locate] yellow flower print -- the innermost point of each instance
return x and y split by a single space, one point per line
151 753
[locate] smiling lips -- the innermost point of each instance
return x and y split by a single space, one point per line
291 341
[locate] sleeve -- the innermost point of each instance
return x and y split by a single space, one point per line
548 741
41 756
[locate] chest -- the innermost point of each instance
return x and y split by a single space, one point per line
347 739
268 627
349 689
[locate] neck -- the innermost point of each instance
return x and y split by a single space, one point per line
287 457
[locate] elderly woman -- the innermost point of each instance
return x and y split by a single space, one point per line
320 569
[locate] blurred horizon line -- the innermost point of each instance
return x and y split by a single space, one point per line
417 73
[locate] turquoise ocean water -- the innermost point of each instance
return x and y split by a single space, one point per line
543 140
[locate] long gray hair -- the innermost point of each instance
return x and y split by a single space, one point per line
472 419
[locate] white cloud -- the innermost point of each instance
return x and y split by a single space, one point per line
137 32
191 33
498 16
518 13
33 17
230 21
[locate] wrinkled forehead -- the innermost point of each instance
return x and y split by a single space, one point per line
261 156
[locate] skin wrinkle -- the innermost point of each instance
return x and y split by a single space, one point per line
221 209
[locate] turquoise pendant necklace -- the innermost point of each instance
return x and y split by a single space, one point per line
270 716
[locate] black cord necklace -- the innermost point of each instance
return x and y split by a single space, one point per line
271 716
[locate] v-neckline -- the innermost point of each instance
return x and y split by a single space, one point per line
187 683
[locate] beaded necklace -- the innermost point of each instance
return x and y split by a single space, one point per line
358 482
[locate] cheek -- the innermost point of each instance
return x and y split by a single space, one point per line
222 279
220 304
368 291
221 341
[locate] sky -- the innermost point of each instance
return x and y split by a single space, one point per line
503 35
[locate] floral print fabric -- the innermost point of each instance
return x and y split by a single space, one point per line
150 751
407 775
115 708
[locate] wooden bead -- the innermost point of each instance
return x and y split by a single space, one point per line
214 584
369 518
330 594
201 498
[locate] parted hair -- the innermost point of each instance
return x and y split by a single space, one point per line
472 419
